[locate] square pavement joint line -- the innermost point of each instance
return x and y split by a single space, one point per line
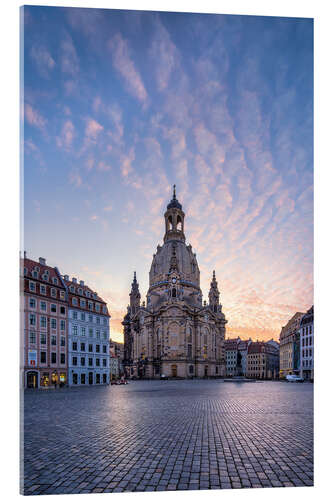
168 435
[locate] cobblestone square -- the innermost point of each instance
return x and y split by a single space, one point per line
168 435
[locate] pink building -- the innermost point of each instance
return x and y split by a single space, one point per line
43 326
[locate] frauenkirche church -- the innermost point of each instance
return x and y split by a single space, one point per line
173 334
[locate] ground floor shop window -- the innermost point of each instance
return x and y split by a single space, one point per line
62 378
83 378
104 378
75 378
32 380
98 378
45 380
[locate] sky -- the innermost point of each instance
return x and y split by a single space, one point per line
120 105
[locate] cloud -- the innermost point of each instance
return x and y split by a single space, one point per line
108 208
123 63
164 55
75 179
34 118
64 141
43 60
93 128
69 60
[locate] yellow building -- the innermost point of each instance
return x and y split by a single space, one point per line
289 346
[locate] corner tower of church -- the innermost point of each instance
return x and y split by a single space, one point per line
174 335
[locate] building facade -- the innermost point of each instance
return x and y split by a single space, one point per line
231 357
45 325
88 335
306 332
262 361
173 333
290 347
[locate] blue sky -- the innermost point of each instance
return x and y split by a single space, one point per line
120 105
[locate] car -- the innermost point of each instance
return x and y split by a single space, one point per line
294 378
163 377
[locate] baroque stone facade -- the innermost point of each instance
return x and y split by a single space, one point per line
174 334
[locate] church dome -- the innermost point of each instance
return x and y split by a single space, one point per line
186 260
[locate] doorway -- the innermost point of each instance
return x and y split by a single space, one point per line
91 378
174 370
32 380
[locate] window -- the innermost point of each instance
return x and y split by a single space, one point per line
53 357
98 378
90 348
43 321
79 291
53 308
74 329
97 307
62 310
62 341
62 325
75 378
189 350
32 319
32 337
53 340
83 378
32 303
91 333
53 323
74 361
90 306
74 346
74 314
62 294
83 361
83 346
98 363
90 361
42 356
62 358
82 302
83 317
42 289
55 281
104 349
53 292
83 331
105 335
32 286
98 320
104 321
97 348
43 338
43 306
74 301
104 362
98 334
25 271
91 318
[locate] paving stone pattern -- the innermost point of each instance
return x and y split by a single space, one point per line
168 435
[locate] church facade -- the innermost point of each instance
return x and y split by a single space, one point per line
174 334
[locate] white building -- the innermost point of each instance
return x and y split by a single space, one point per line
306 333
88 336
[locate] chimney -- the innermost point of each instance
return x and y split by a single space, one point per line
66 277
82 283
74 280
42 261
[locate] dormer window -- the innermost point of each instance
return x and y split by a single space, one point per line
79 291
35 274
55 281
25 271
36 268
72 289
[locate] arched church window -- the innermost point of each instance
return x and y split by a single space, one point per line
169 222
174 293
179 223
